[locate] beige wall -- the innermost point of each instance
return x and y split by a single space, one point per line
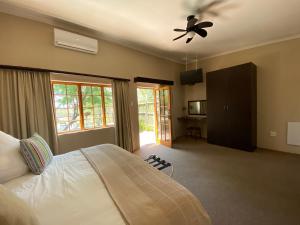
77 140
25 42
278 87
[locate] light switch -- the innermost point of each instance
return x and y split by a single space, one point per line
273 133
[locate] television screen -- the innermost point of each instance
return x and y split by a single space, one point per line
191 76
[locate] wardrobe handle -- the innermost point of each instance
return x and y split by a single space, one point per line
227 108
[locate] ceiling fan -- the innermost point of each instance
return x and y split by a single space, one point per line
192 28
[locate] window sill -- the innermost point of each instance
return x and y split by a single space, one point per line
84 131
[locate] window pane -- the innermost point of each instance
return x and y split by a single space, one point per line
87 112
109 119
96 90
98 111
89 123
92 106
98 122
97 100
109 110
86 90
60 101
59 89
66 107
72 90
88 118
108 95
74 114
108 106
61 114
75 125
73 101
87 101
62 125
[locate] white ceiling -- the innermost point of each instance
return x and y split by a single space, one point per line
148 25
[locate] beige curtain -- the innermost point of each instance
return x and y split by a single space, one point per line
122 114
26 105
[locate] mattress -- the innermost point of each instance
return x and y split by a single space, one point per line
68 192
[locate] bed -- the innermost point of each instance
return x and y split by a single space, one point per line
106 185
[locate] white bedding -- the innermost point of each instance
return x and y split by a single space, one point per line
68 192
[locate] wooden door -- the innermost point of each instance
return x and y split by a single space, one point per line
217 122
163 115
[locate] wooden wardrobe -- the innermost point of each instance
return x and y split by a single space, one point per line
231 107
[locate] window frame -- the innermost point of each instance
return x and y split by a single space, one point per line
80 104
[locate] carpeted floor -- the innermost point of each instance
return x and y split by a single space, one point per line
237 187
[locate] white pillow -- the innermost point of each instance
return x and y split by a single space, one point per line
12 164
14 211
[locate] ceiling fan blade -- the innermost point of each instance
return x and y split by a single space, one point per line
206 7
179 30
201 32
179 37
204 24
188 40
213 13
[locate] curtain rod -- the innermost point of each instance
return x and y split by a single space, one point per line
153 81
60 71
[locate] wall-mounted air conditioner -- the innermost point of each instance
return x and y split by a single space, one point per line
74 41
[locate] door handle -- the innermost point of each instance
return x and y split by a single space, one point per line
226 107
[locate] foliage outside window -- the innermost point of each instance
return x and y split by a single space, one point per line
80 106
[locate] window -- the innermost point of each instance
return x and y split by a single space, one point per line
80 106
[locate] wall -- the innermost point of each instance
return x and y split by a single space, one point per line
29 43
278 88
77 140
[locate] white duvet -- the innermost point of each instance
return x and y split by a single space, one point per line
68 192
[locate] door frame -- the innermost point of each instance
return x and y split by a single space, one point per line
155 89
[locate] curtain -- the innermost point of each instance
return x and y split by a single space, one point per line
27 106
122 114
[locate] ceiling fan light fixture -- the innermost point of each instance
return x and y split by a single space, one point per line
191 34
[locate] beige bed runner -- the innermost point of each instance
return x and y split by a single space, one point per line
143 194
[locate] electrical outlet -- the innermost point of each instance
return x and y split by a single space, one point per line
273 133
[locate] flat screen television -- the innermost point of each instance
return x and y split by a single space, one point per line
191 77
197 107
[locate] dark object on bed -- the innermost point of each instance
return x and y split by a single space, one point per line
231 107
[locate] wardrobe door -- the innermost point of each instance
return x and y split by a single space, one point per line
217 123
239 107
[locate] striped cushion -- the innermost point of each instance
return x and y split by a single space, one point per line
36 153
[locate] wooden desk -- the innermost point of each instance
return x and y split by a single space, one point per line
191 118
195 129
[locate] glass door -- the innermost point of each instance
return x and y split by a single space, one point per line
163 115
